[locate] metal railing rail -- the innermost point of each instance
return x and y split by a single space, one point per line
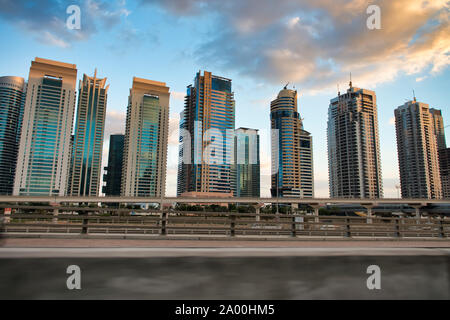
228 224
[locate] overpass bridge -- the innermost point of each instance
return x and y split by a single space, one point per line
314 203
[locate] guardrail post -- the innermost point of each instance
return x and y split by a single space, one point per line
397 228
164 216
294 227
441 228
84 228
232 225
347 227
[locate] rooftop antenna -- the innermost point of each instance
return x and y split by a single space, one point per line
339 92
414 96
285 87
350 80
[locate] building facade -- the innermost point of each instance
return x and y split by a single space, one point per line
417 151
12 100
207 136
86 160
354 165
292 155
444 166
44 150
246 167
113 175
438 124
146 136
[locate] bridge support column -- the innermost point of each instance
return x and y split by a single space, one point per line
316 207
258 211
417 208
369 207
55 212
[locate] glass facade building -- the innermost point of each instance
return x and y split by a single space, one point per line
292 156
354 146
417 151
207 136
11 111
113 176
438 123
87 149
45 140
246 167
146 136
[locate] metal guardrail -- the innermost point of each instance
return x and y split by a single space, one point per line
227 224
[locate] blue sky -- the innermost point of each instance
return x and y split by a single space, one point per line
261 45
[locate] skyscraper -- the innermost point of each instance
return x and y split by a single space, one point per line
86 158
438 125
44 151
354 165
146 134
246 166
417 151
113 175
11 111
444 166
292 156
206 136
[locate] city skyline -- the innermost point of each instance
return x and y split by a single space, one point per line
47 76
171 51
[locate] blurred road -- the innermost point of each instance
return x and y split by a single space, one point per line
188 269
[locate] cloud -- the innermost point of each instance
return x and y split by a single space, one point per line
178 95
114 123
419 79
46 19
316 43
392 121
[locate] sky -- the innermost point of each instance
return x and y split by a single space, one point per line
260 44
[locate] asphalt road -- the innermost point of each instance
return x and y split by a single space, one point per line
214 272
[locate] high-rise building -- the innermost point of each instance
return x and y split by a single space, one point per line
246 167
44 150
354 165
146 135
438 124
11 111
417 151
207 136
292 156
444 166
86 160
113 175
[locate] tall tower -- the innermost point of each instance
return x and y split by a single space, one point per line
11 111
292 156
438 124
417 151
353 145
246 167
88 140
146 135
113 175
444 167
206 136
44 151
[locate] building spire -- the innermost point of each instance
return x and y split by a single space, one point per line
339 92
414 96
350 84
